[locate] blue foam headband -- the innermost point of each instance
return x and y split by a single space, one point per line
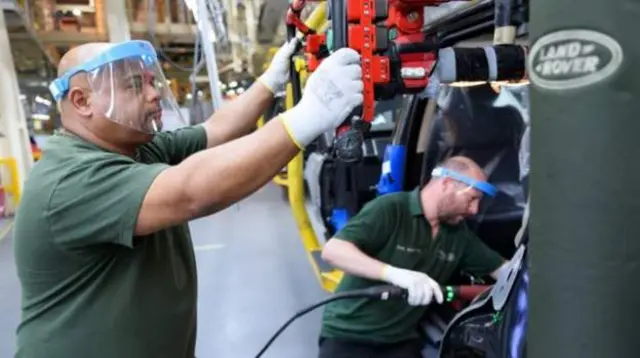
483 186
136 48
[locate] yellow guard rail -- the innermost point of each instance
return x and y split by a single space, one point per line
327 276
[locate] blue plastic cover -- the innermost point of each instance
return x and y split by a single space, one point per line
392 176
137 48
339 218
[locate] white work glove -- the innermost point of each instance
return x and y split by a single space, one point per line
420 286
332 91
277 74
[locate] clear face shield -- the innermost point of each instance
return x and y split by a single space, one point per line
127 86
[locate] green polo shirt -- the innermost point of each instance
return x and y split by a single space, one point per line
392 228
90 287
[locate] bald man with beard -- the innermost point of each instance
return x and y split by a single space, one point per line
415 240
102 246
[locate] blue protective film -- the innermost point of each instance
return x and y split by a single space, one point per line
483 186
131 49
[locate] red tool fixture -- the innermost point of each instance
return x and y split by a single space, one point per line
398 56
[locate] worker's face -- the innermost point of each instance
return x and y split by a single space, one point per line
458 201
120 100
128 96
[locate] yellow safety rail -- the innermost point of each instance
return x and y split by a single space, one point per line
327 276
12 188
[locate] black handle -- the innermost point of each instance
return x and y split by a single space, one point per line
294 76
338 13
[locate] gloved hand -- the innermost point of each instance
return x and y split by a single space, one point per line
420 286
277 74
331 93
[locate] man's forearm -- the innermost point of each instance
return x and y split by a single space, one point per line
220 176
239 116
348 258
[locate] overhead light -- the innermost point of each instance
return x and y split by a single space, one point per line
40 116
467 84
44 101
77 12
494 83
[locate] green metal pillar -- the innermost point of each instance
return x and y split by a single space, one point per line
585 179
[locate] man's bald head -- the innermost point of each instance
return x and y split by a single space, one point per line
81 54
466 166
449 200
75 57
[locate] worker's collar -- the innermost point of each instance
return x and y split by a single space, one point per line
415 204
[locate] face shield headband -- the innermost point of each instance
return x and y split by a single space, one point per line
128 86
483 186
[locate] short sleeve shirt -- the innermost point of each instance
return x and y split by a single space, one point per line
392 228
90 287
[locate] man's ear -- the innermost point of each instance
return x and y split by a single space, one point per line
447 184
80 101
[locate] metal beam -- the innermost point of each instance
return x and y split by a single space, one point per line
270 19
13 125
208 47
63 38
117 21
585 246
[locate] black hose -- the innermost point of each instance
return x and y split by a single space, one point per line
338 13
505 21
294 76
377 292
504 13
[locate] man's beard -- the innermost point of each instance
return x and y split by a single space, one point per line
448 214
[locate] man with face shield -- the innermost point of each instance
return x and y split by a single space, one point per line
416 240
102 247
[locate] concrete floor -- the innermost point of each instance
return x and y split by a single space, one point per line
252 273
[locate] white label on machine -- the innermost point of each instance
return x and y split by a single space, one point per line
386 167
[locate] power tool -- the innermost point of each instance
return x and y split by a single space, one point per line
399 55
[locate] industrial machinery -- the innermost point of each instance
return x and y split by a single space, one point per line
399 56
493 325
584 252
434 96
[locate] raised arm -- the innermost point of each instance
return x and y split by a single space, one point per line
239 117
215 178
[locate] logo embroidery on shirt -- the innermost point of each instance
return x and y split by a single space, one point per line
410 250
444 256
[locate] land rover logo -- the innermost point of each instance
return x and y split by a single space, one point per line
573 58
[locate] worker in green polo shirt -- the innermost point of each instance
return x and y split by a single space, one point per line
416 240
102 246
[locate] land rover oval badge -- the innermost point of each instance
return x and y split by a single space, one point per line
573 58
